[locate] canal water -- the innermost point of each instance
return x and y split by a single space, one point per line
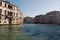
30 32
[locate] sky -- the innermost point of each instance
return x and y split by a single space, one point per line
36 7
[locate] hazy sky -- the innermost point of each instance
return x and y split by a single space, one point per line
36 7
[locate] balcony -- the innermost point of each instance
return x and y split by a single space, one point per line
10 7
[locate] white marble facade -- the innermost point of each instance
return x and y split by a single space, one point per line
10 14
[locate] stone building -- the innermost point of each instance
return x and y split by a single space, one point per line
28 20
40 19
37 19
10 14
53 17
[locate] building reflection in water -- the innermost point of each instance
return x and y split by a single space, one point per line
9 32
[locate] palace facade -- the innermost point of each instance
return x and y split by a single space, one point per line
10 14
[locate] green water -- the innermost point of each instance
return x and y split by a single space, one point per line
30 32
9 32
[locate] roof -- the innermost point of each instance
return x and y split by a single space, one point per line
9 3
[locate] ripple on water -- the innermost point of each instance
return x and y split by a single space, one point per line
42 31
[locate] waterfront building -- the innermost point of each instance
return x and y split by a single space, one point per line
28 20
53 17
40 19
10 14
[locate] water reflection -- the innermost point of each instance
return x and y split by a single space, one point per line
41 31
9 32
30 32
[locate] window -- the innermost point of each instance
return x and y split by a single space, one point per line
9 6
9 13
14 13
5 5
5 12
0 21
20 17
14 18
0 17
0 3
0 11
